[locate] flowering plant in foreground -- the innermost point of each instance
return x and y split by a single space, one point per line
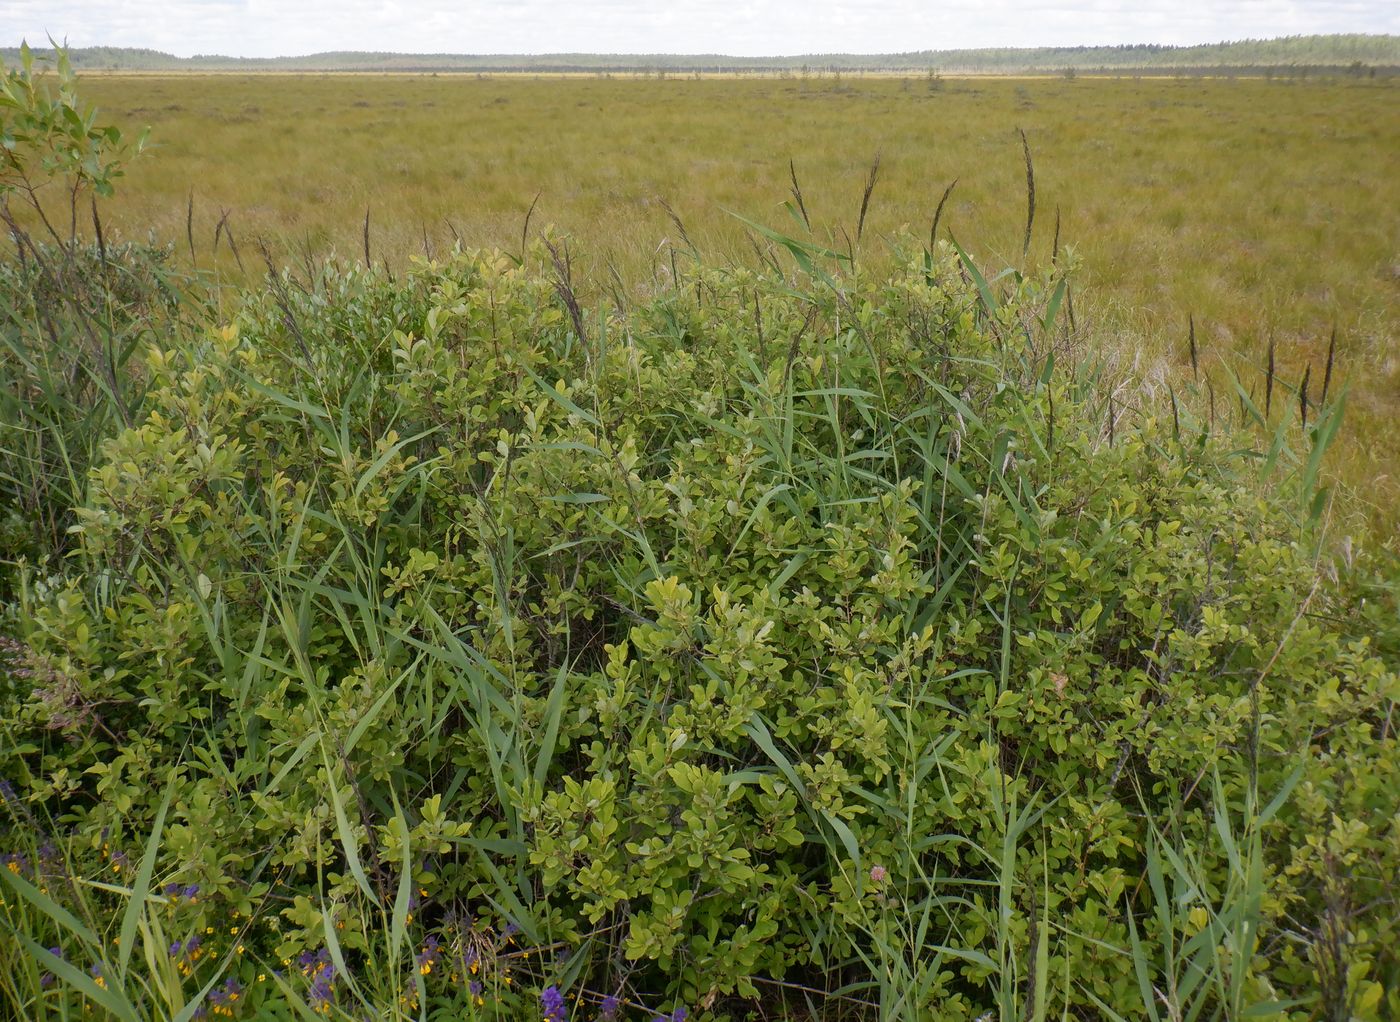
552 1005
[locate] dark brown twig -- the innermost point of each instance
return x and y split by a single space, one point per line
1195 364
865 198
97 230
189 229
938 213
1303 396
1327 376
1269 382
525 228
1030 193
797 194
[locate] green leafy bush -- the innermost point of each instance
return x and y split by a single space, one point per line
826 644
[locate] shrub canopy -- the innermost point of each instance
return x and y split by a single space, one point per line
806 641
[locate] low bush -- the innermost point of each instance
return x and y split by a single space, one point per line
784 645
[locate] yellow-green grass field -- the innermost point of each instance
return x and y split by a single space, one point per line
1265 208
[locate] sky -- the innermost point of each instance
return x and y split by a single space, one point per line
267 28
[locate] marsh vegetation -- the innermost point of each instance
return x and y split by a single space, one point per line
807 618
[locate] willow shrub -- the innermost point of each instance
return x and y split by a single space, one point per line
810 644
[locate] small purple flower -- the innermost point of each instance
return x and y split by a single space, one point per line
609 1008
321 992
170 890
190 892
426 959
321 972
225 996
475 988
552 1004
176 948
47 979
679 1015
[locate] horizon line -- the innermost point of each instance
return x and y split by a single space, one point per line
705 54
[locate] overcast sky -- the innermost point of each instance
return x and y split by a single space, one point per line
264 28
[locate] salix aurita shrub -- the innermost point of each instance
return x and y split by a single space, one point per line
787 637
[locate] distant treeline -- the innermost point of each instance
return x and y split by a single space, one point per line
1303 54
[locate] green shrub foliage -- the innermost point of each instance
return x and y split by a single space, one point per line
813 644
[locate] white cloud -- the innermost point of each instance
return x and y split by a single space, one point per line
762 27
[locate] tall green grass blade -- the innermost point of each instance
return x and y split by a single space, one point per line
136 901
990 305
112 998
60 916
349 846
553 714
